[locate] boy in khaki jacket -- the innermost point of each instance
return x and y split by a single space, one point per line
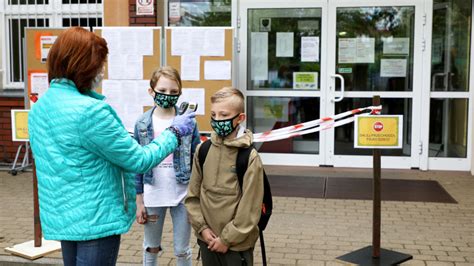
224 217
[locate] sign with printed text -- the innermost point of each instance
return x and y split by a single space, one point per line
20 125
46 42
145 7
378 131
305 80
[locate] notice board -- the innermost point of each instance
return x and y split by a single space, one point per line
37 43
210 83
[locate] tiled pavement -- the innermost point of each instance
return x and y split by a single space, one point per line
302 231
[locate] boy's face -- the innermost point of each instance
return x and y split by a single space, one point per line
226 109
165 86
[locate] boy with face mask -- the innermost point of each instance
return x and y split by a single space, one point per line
223 214
166 185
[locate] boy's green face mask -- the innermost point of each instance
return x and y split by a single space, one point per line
165 100
224 127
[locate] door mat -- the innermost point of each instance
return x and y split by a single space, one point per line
358 189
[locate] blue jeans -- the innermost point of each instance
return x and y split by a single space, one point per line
154 232
97 252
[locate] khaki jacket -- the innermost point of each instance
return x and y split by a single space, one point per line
214 198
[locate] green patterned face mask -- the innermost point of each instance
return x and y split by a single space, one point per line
165 100
223 127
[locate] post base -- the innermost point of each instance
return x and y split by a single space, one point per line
29 251
364 257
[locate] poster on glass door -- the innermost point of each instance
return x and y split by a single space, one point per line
356 50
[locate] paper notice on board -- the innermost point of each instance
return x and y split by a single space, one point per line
112 37
136 41
125 66
214 42
396 46
284 44
190 67
145 41
356 50
39 83
46 42
259 55
195 41
393 67
309 49
217 70
196 95
127 98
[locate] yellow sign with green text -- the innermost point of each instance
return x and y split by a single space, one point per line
378 131
20 125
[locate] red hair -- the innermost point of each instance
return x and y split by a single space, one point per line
77 55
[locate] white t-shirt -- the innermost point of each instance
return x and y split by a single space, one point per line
165 191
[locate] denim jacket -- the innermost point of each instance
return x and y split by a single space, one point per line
182 156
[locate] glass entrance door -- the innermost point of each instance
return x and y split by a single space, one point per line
295 56
376 48
282 72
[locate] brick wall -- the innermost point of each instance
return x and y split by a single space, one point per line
135 20
8 148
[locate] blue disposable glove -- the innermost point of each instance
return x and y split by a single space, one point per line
184 123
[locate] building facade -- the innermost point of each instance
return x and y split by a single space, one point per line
301 60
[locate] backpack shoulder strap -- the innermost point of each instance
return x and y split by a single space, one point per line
242 163
203 150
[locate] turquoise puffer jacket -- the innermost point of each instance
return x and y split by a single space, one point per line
84 163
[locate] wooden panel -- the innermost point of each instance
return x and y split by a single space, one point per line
210 86
116 13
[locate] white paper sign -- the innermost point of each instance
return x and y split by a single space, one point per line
196 95
197 41
125 67
393 67
174 11
285 44
309 49
190 67
133 41
46 42
127 97
356 50
217 70
39 83
145 7
396 46
259 55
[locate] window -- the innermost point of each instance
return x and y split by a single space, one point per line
199 13
16 15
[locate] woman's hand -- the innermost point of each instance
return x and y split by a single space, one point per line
141 210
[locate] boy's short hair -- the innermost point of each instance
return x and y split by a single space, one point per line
167 72
227 92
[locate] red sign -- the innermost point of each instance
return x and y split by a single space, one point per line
378 126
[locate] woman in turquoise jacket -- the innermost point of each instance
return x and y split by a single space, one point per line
84 156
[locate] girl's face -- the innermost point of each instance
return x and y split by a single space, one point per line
165 86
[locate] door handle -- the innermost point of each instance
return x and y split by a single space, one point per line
340 77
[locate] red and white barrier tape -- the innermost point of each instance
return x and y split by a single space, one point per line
314 125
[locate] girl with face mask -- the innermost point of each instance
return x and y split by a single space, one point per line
165 186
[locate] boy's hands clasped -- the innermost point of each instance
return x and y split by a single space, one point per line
184 123
214 243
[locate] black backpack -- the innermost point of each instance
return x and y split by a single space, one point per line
241 167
